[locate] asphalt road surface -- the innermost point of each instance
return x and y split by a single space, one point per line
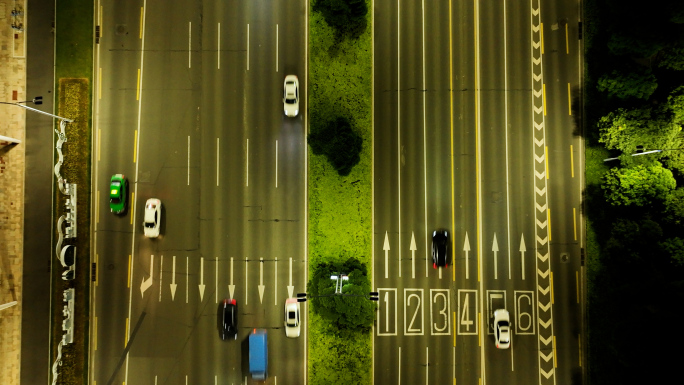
476 131
189 107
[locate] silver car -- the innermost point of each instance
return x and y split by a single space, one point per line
502 328
292 318
291 95
152 220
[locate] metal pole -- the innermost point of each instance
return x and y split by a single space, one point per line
6 305
8 139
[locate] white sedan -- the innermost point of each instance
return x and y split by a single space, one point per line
291 95
502 326
152 220
292 318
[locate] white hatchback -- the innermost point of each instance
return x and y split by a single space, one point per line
502 328
291 95
292 318
152 220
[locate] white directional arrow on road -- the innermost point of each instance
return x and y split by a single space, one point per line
413 254
231 287
386 247
201 285
261 280
466 248
173 279
522 254
290 288
147 283
495 249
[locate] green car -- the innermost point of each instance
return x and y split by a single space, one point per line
117 194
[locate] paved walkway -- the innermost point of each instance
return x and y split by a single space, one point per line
12 165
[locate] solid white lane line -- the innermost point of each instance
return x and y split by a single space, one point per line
188 160
246 287
276 281
216 280
399 367
218 50
512 366
161 271
247 47
399 127
427 365
276 47
187 261
217 161
425 148
247 165
189 44
276 166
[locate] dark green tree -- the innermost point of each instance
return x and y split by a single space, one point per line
346 312
673 212
624 130
672 58
339 143
630 82
639 186
674 248
348 17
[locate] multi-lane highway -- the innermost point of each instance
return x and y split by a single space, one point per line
188 105
475 131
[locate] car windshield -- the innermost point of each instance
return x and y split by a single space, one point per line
503 324
149 224
114 199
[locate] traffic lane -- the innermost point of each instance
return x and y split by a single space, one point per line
412 141
465 145
385 145
567 313
292 43
493 130
110 307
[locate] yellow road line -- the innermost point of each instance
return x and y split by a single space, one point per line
477 152
130 204
569 101
577 284
126 336
451 145
454 329
555 361
479 320
141 23
551 283
128 281
137 87
99 84
541 28
135 146
100 23
572 164
548 218
99 141
579 339
567 45
574 221
546 158
97 207
95 335
544 97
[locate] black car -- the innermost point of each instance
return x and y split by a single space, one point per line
440 248
227 318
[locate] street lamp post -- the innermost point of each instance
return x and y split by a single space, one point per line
644 153
37 101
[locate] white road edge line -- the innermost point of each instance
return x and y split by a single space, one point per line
247 165
161 271
187 263
399 367
218 50
276 165
216 290
246 286
399 127
427 365
425 147
247 47
276 47
188 160
372 179
275 300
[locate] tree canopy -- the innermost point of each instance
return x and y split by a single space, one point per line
348 17
637 82
339 143
344 311
639 185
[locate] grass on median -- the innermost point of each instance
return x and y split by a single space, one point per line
339 207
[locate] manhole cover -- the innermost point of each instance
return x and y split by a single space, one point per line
564 257
121 29
110 266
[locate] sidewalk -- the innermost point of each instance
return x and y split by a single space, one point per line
12 166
